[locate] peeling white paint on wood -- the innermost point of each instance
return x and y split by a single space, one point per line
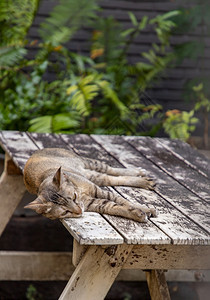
172 165
138 233
189 155
186 202
18 146
179 228
92 229
169 257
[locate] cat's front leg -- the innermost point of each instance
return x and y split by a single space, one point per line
105 206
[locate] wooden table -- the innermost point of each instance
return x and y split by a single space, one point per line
103 245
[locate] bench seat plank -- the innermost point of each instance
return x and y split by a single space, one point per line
172 165
191 156
172 221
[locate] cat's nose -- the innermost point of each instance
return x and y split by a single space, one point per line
78 210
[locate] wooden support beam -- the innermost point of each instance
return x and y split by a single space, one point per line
39 266
96 272
45 266
78 252
157 285
12 190
167 257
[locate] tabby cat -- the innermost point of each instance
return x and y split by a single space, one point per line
67 185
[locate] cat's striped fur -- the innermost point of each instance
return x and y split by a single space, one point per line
67 185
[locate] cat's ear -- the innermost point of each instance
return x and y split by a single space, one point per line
57 179
37 205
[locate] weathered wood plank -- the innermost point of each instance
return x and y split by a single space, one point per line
38 266
92 229
47 140
12 190
22 265
188 154
133 232
172 165
176 225
180 229
18 146
96 273
166 257
157 285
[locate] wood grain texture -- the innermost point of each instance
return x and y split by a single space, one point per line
18 146
157 285
44 266
96 273
39 266
176 202
191 156
12 190
173 166
92 229
177 257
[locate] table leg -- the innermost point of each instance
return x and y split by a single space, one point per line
12 190
157 285
96 272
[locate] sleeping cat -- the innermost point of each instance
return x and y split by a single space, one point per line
67 185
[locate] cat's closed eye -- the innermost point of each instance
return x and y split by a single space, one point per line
72 198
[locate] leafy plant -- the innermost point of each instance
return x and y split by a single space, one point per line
16 17
32 293
87 94
179 124
203 104
193 18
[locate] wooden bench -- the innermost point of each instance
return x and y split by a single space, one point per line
103 245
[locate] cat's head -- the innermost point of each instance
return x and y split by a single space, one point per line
57 198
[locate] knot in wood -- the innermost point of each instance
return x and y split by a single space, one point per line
110 251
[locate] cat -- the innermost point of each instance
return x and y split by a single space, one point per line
67 185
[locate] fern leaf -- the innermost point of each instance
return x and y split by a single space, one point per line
16 18
111 94
54 124
66 18
10 55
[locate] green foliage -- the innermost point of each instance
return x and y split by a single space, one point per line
202 100
16 17
97 94
29 96
58 123
32 293
179 125
195 17
65 19
203 104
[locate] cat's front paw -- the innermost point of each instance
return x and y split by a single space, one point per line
140 172
148 183
151 213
